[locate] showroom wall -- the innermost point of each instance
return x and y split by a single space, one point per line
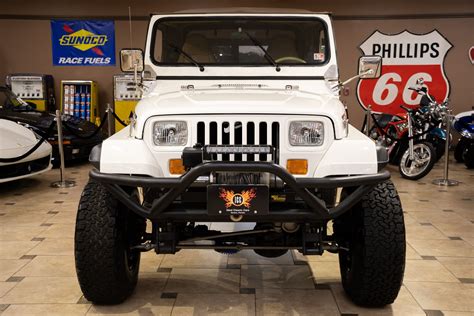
26 38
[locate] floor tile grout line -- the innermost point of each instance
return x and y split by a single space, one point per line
413 296
434 225
447 282
167 278
314 280
335 300
88 310
255 302
174 303
453 257
16 284
240 278
21 268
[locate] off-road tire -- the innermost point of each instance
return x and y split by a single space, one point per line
106 268
374 234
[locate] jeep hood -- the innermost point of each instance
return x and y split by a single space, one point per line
238 102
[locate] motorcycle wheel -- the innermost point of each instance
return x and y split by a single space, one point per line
459 150
424 159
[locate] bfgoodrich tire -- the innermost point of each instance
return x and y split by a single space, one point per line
106 268
374 233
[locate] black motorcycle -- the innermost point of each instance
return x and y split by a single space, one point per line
415 139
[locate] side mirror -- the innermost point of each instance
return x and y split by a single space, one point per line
370 67
131 60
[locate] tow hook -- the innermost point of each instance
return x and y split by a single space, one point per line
333 247
144 247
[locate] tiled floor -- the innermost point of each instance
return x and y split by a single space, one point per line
37 274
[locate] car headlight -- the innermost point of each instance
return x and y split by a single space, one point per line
306 133
170 133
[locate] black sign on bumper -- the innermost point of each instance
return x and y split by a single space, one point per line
237 199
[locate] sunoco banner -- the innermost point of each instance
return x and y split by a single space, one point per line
83 43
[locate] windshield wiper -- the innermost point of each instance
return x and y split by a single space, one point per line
192 60
267 56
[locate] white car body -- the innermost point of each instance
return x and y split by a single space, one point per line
16 140
266 143
260 94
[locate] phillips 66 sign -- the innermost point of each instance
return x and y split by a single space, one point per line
406 57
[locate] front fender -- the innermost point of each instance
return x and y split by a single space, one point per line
354 155
122 154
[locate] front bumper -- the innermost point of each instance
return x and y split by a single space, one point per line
315 209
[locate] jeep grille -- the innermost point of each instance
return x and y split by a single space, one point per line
240 133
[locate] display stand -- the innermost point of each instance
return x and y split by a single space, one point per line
368 118
110 120
445 181
62 183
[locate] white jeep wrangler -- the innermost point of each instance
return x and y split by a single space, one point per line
240 122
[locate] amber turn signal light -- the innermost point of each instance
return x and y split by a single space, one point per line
176 166
297 166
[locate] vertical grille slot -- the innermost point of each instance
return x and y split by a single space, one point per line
263 139
201 133
250 139
276 139
238 138
225 132
212 133
213 137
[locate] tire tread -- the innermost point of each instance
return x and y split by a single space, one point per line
378 273
99 233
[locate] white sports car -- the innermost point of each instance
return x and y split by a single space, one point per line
15 141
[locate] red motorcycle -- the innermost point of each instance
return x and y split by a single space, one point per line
415 138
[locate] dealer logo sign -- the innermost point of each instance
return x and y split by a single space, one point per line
406 57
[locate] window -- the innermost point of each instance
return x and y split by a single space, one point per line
239 41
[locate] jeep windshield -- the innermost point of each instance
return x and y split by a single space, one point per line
239 41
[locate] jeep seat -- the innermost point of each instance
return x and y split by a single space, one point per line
282 46
196 46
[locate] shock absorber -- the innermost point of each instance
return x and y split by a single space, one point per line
410 136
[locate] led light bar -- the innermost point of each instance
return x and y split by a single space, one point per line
238 149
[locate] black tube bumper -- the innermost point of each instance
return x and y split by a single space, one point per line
316 209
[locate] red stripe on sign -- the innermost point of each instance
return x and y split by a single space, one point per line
98 51
67 28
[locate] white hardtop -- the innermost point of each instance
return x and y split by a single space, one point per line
243 10
309 71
